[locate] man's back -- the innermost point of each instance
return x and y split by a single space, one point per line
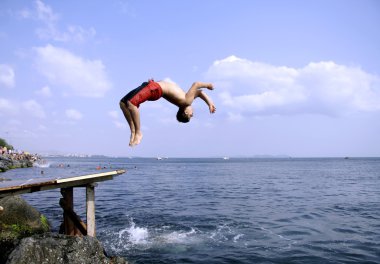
173 93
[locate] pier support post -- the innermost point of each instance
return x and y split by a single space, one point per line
90 208
68 199
72 224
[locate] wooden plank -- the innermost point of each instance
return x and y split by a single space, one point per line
38 181
90 209
21 187
10 185
23 184
79 183
90 176
33 185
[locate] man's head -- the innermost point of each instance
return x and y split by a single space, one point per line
184 114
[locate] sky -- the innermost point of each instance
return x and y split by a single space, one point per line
297 78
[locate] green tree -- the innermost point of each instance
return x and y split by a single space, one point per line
4 143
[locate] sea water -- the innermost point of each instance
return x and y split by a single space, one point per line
240 210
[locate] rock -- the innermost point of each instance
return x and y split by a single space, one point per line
24 239
5 164
18 220
55 249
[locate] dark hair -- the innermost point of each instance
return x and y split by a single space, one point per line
181 117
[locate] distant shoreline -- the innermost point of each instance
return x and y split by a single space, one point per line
210 157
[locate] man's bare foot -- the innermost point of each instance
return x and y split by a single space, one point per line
137 139
132 139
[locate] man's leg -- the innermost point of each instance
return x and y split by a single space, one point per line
128 117
135 114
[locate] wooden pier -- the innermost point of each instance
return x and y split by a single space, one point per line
72 224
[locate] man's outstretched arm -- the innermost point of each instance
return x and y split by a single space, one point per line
208 101
195 92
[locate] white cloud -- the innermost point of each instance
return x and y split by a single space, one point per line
7 76
45 13
50 20
33 108
84 77
78 34
25 108
73 33
44 91
74 114
323 88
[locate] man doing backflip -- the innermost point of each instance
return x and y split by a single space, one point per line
152 91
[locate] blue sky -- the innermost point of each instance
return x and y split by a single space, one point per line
299 78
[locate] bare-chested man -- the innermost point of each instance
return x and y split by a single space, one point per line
151 91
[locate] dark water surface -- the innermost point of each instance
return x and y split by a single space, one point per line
228 211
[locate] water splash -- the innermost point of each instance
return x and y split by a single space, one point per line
237 237
168 237
41 164
177 237
135 235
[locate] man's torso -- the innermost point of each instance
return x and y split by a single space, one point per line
173 93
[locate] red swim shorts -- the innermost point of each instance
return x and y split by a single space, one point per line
147 91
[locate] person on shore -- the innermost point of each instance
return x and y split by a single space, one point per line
152 91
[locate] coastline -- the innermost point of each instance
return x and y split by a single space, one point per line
14 161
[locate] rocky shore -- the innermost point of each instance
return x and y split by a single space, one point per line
9 162
59 249
25 237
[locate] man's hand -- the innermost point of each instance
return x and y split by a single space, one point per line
209 86
212 108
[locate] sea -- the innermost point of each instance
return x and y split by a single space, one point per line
226 210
